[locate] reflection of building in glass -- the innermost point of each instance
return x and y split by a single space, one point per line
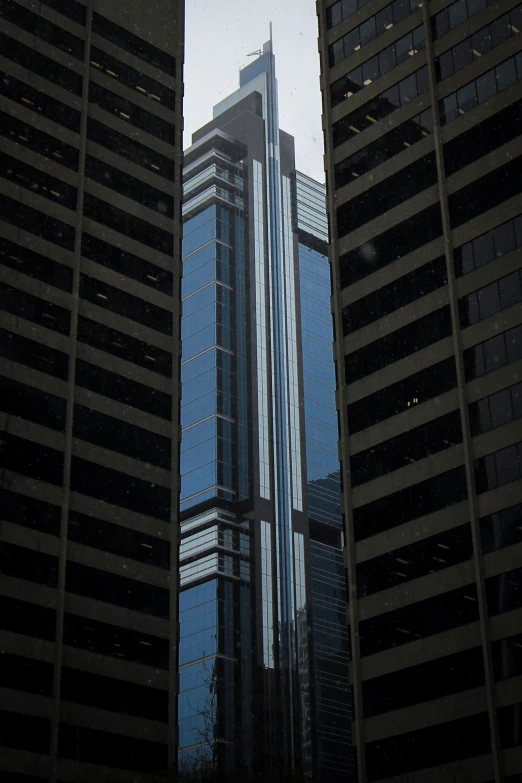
263 651
423 117
90 208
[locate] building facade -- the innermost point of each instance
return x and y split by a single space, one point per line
90 237
422 116
258 457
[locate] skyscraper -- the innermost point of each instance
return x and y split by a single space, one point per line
422 117
263 640
89 248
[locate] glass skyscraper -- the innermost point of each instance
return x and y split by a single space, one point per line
263 640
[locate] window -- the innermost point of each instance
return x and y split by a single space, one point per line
501 529
122 437
377 66
129 112
498 351
125 347
496 410
479 90
380 198
510 725
31 138
130 187
117 590
26 674
105 639
128 224
370 29
391 245
29 219
39 102
107 693
491 299
120 489
127 264
127 305
132 78
25 732
394 399
429 747
32 354
123 389
35 309
507 657
454 15
41 65
30 512
71 8
420 499
37 25
26 618
111 750
133 44
31 459
130 149
424 682
428 556
478 44
489 246
395 295
28 564
412 446
504 592
499 468
403 342
32 404
28 262
486 136
485 193
384 148
118 540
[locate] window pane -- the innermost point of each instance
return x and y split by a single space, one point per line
481 42
506 74
510 290
483 251
489 301
457 13
486 86
467 97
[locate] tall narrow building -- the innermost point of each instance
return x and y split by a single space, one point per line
422 116
90 234
263 639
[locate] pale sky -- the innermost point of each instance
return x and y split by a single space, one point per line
220 34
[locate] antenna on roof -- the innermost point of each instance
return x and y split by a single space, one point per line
255 54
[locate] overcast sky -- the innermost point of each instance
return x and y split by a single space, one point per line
220 34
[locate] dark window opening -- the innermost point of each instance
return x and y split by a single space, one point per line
36 24
420 499
25 732
501 529
30 512
125 304
132 43
122 490
129 348
41 65
120 436
454 15
26 674
487 247
32 404
129 148
507 657
504 592
31 138
510 726
132 78
499 468
29 219
32 354
28 564
35 309
498 351
401 343
35 265
117 590
27 619
39 102
31 459
128 224
111 750
127 264
394 399
491 299
129 112
71 8
496 410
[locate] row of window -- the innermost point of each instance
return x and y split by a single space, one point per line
480 89
32 404
121 144
384 148
497 242
455 14
377 66
395 295
38 181
402 342
491 299
400 396
478 44
131 113
401 186
342 10
490 355
119 36
405 449
501 529
130 225
40 64
35 309
381 106
39 101
486 192
26 135
41 27
496 410
499 468
372 28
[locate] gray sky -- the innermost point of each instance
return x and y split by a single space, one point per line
220 34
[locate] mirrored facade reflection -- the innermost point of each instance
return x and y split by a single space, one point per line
263 639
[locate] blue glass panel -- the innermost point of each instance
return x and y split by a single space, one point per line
199 300
199 433
197 321
199 365
198 220
199 409
199 342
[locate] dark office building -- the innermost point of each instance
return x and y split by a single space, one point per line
422 116
90 235
263 639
